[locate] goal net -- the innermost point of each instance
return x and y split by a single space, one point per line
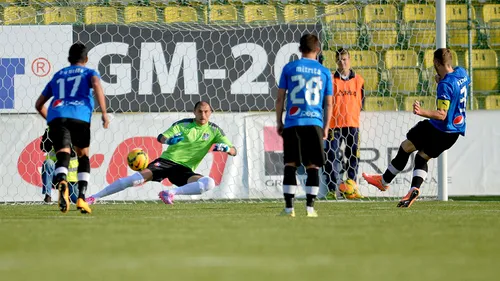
157 59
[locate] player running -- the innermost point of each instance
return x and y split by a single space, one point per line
68 118
434 135
188 140
307 85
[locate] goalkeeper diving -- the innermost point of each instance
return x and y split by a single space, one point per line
188 140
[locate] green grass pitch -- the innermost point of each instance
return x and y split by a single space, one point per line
247 241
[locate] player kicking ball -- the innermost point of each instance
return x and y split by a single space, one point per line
188 140
307 86
434 135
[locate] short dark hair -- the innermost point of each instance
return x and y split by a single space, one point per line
77 53
309 43
443 56
341 52
200 103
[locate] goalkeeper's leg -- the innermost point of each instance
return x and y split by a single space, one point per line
196 185
135 179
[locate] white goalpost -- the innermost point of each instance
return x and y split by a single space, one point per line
441 43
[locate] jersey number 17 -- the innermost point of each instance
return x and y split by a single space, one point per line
62 85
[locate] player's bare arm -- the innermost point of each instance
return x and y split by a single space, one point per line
39 105
280 103
99 93
328 115
439 114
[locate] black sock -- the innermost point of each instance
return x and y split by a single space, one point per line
312 181
289 200
289 179
83 175
82 189
397 164
419 172
62 162
310 200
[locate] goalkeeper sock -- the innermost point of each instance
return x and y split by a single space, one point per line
397 165
289 187
119 185
83 175
419 172
194 188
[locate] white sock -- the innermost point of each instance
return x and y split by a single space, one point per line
119 185
192 188
198 187
310 209
289 210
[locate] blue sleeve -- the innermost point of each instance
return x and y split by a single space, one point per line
444 91
91 74
329 84
47 92
94 73
283 80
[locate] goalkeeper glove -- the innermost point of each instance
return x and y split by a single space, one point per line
175 139
221 147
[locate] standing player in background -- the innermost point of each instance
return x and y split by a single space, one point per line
68 118
307 86
434 135
188 140
348 95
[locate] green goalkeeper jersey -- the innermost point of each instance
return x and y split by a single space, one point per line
198 139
